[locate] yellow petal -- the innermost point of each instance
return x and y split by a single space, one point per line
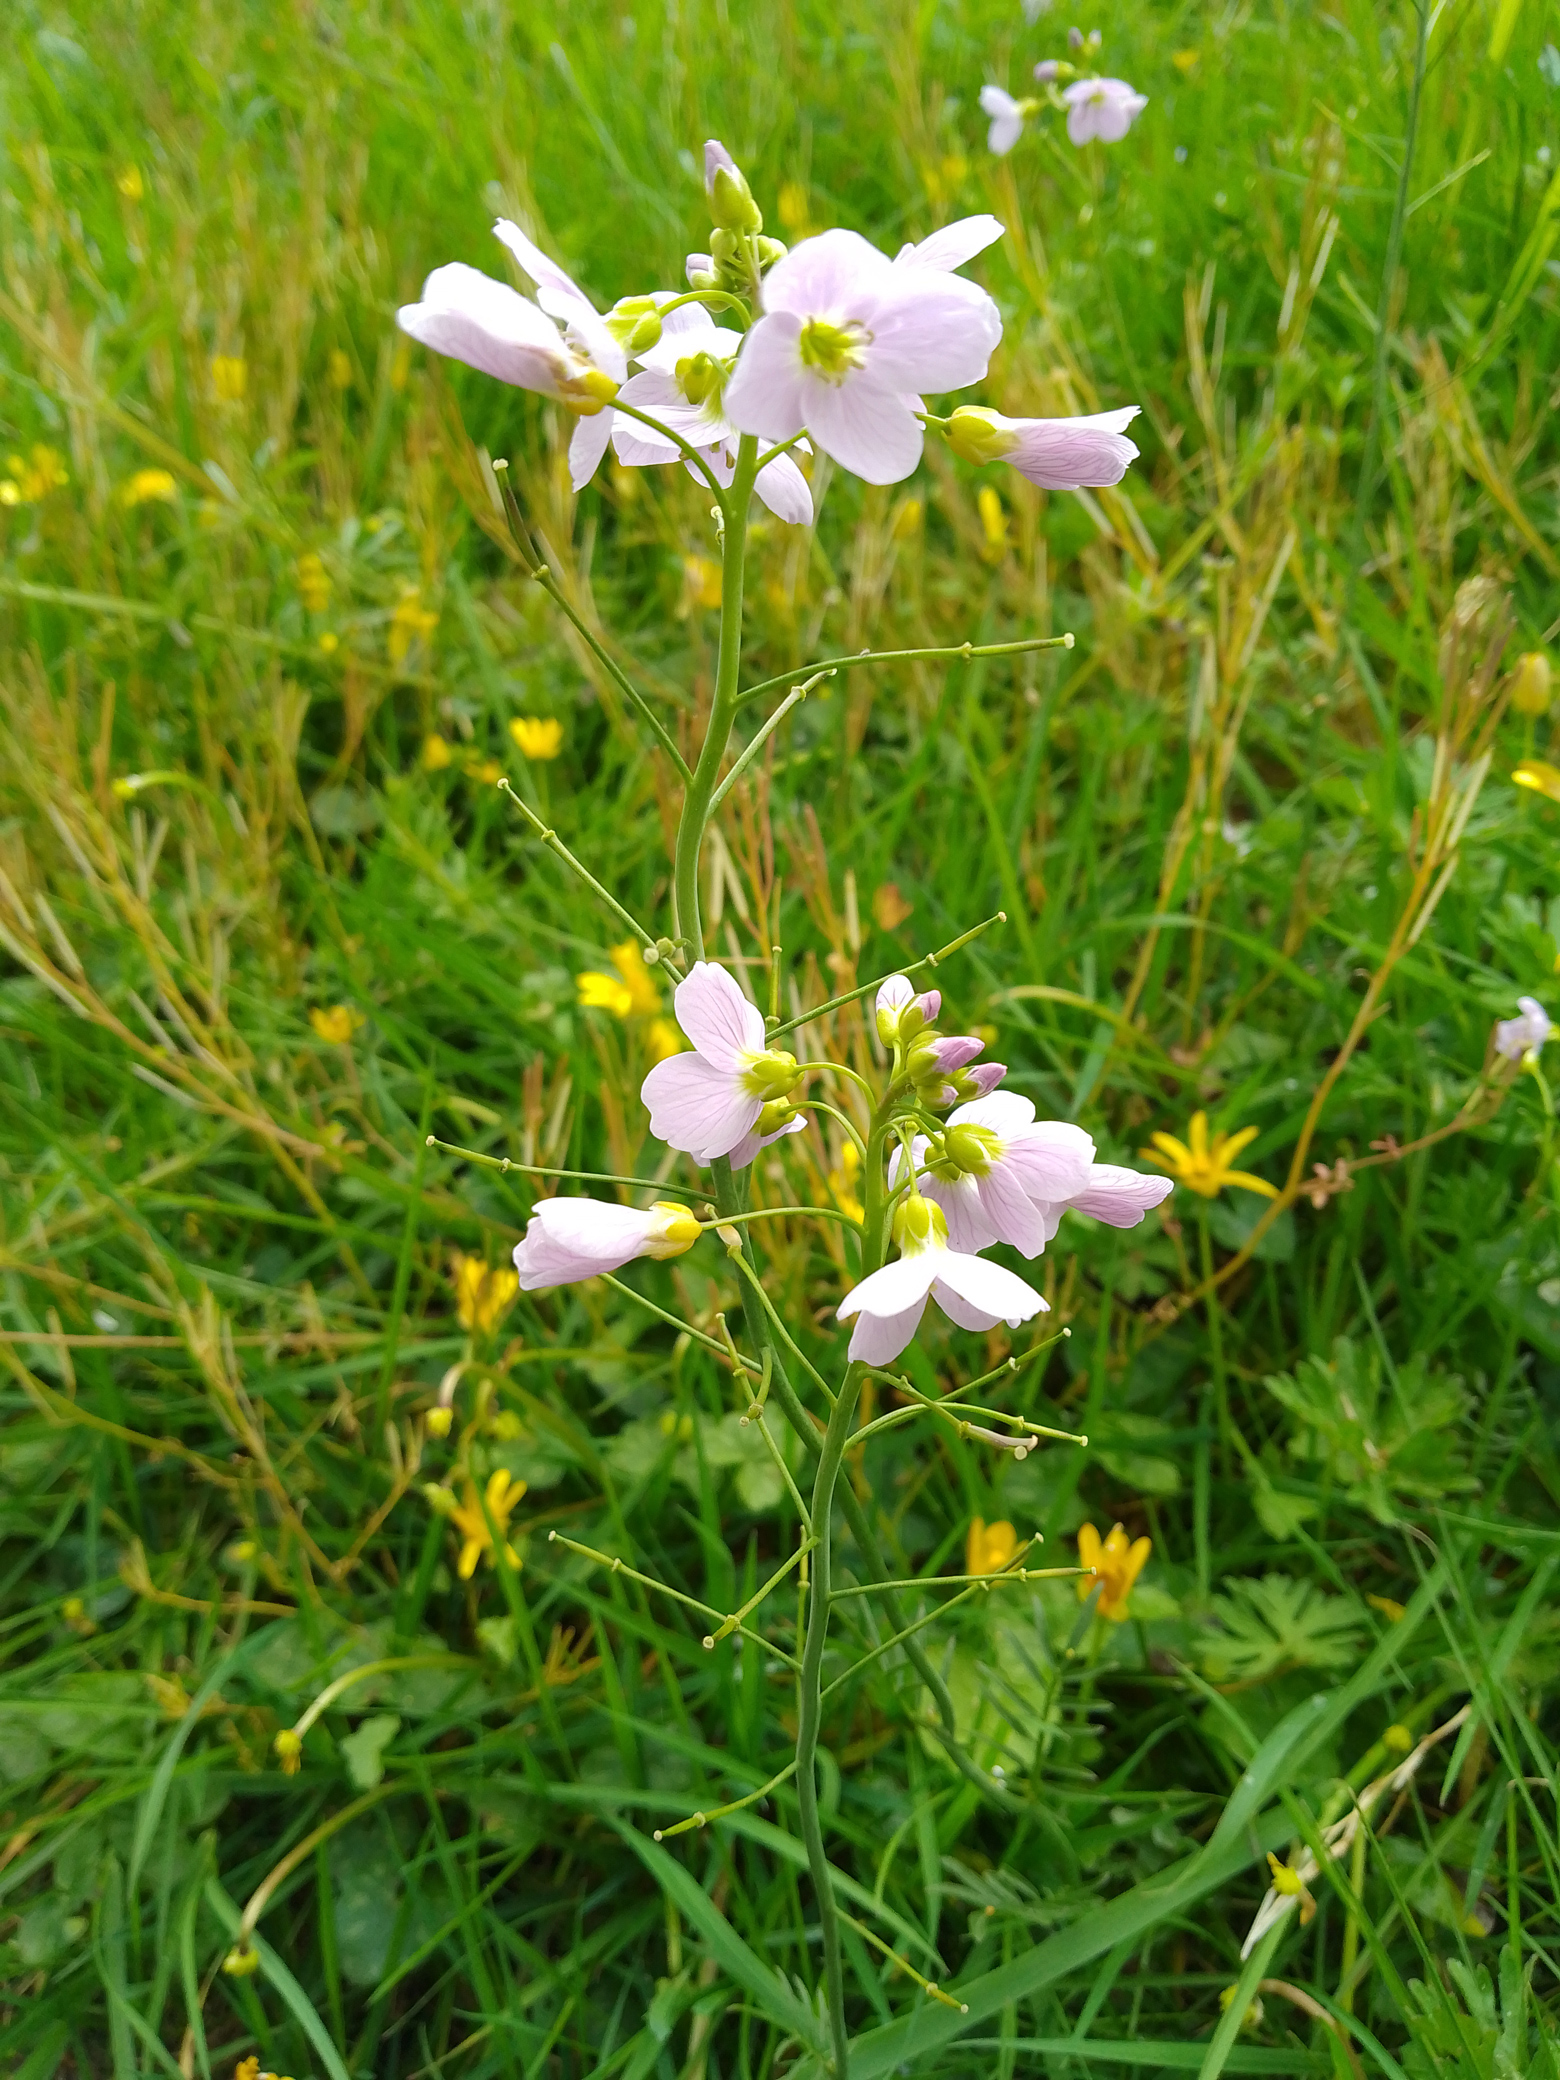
1250 1183
1538 775
470 1554
1177 1151
1228 1146
1197 1134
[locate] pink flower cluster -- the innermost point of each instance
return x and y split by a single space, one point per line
844 346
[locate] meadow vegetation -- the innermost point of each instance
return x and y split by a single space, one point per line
281 965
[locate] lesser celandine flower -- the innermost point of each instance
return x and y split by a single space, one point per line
888 1304
1203 1165
250 2068
148 486
335 1023
537 736
1538 776
989 1547
846 341
1117 1562
709 1102
484 1293
33 476
1517 1038
1102 108
1088 452
130 184
503 1491
571 1239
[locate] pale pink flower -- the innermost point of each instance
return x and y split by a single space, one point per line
1115 1195
1102 108
558 345
708 1103
1515 1037
1007 119
888 1305
1001 1169
846 344
1047 70
1057 454
571 1239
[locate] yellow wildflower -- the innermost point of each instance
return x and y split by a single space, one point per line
330 643
288 1750
130 184
604 993
74 1611
229 378
537 736
629 960
791 208
701 584
664 1039
436 753
250 2069
1117 1565
1530 687
907 521
993 523
503 1492
32 477
340 370
842 1182
1204 1166
486 770
1389 1608
147 485
410 622
313 583
484 1293
989 1547
1536 774
335 1023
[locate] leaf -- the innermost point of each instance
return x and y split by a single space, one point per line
1280 1623
1383 1441
728 1949
364 1749
1124 1445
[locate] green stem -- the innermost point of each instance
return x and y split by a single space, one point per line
810 1706
706 774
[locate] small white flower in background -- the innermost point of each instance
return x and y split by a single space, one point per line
570 1239
888 1305
1102 108
1088 452
847 343
711 1102
1516 1037
468 316
1007 119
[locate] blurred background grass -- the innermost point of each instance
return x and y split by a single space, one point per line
266 922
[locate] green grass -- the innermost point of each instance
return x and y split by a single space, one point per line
1213 825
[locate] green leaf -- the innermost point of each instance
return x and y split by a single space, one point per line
364 1749
1280 1623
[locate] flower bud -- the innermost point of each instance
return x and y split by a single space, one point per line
978 435
437 1421
731 200
969 1150
772 1075
769 251
240 1963
1530 688
1047 70
725 248
635 323
288 1750
937 1055
901 1014
439 1500
699 377
919 1224
776 1116
979 1081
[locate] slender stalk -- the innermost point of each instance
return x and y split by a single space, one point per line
810 1707
544 577
664 1834
765 730
638 1184
701 786
551 839
960 650
851 996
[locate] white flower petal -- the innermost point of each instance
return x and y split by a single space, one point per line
569 1239
867 429
698 1108
489 326
932 331
750 1144
587 445
969 1229
1073 454
764 395
783 488
1118 1196
1012 1214
717 1018
877 1339
960 1311
953 245
825 276
546 274
895 1287
990 1288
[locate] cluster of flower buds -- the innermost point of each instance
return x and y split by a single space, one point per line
737 248
936 1065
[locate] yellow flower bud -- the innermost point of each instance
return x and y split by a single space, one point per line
1531 685
437 1421
288 1750
241 1962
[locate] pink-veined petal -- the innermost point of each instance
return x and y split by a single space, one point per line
783 488
895 1287
825 276
1119 1196
717 1018
990 1288
969 1229
877 1339
569 1239
587 445
546 274
764 395
750 1144
698 1108
1085 453
1011 1213
467 315
866 428
930 331
953 245
960 1311
1049 1160
1002 1112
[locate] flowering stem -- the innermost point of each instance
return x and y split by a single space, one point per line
701 787
774 1213
960 650
810 1706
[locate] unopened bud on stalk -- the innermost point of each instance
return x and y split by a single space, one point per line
776 1116
772 1075
731 200
288 1750
1531 687
769 251
901 1014
635 323
977 435
935 1057
699 377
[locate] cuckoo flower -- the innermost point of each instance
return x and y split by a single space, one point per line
571 1239
999 1171
1102 108
1516 1037
1115 1195
847 342
1007 119
1057 454
558 345
711 1103
888 1305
